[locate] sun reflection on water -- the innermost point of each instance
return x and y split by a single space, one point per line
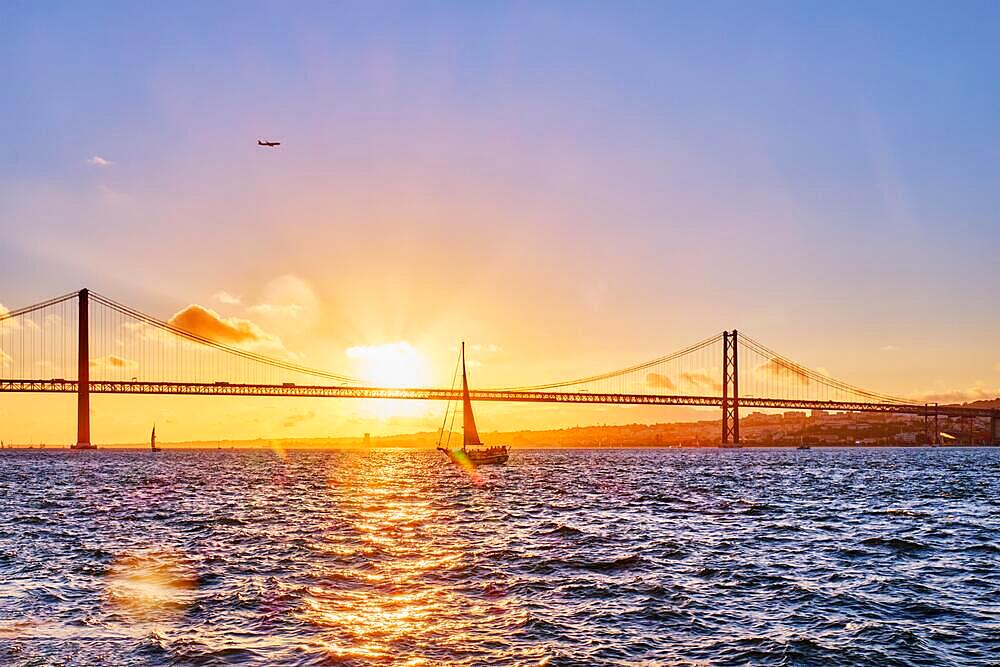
387 588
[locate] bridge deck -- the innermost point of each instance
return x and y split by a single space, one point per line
505 395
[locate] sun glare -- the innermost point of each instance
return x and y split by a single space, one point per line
389 364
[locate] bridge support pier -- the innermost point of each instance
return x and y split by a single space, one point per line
730 377
927 428
83 375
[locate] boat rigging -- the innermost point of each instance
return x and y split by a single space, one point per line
472 449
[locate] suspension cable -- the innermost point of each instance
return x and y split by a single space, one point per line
252 356
624 371
806 372
38 306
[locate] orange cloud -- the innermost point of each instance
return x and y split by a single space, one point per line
5 358
659 381
701 379
774 368
113 361
298 418
207 323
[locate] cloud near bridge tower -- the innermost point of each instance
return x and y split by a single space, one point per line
234 331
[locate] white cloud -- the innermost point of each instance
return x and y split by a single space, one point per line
889 348
226 297
282 310
9 322
978 392
288 298
98 161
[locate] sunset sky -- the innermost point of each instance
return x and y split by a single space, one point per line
571 188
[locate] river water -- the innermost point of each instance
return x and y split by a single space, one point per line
566 557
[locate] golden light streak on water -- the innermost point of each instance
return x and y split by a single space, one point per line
279 449
393 600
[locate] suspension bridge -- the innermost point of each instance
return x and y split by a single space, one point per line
86 343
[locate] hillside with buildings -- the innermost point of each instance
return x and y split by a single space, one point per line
787 429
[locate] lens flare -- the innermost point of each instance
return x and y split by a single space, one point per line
464 463
151 585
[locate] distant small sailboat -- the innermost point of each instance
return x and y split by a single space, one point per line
494 454
152 440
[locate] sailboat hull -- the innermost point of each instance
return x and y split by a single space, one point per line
477 458
485 459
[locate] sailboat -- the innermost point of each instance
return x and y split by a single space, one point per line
152 440
494 454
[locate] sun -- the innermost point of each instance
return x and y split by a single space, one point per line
389 364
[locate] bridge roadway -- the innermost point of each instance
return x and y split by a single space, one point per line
505 395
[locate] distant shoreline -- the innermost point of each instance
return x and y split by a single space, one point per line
256 447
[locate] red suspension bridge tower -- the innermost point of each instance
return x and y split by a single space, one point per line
730 379
83 374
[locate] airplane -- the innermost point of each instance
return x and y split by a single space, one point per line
269 144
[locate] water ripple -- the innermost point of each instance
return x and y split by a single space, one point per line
560 558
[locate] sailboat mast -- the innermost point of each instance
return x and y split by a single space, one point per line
465 379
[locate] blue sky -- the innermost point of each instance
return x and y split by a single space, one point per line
649 173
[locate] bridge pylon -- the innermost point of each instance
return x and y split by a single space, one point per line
83 374
730 390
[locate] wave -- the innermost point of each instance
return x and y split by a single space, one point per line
897 544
